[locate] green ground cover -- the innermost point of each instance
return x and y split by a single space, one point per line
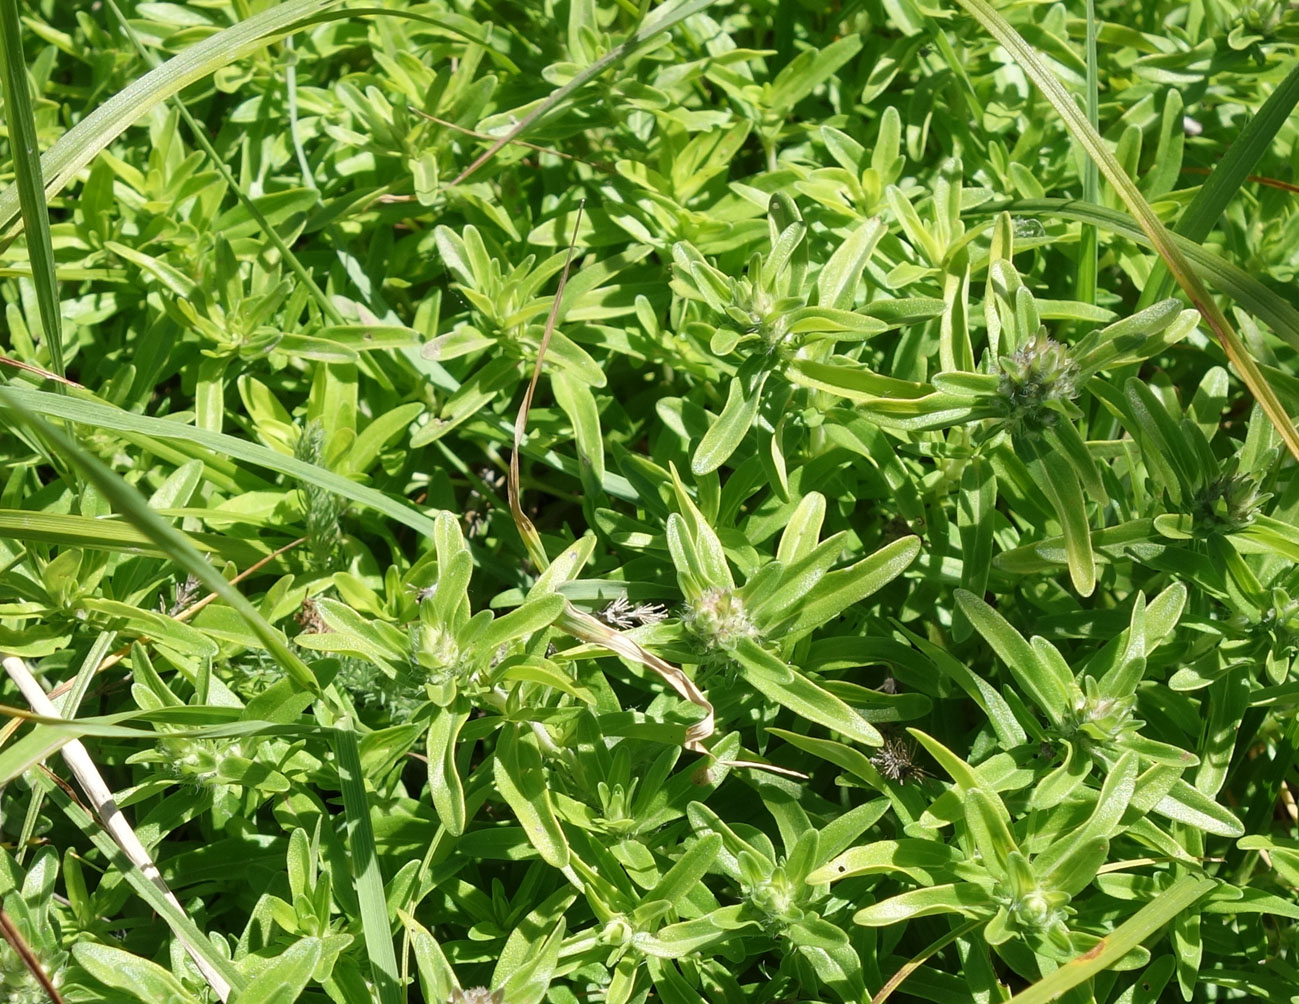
895 594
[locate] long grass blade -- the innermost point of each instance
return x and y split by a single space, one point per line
185 928
1228 176
50 733
1161 240
72 530
105 416
654 24
127 501
1127 936
83 142
1088 246
1265 304
918 960
21 122
98 794
366 876
578 623
323 302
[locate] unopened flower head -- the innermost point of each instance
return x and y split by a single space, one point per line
1039 373
1228 502
719 619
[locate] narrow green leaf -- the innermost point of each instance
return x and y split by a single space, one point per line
730 427
443 778
1058 480
537 613
367 878
659 20
97 414
688 870
923 861
975 519
836 285
801 532
1085 282
127 501
987 821
838 590
29 181
790 584
1228 175
1188 805
789 688
1009 732
437 977
579 405
1110 949
283 982
80 145
959 771
520 779
809 69
1048 689
1064 780
1231 279
531 952
90 533
141 979
965 899
841 755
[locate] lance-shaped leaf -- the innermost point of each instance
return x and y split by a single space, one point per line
1127 936
836 284
1057 478
780 682
520 778
966 899
444 780
726 433
1072 861
1188 805
1049 688
923 861
836 591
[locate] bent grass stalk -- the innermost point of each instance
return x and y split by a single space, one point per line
1075 120
101 798
581 625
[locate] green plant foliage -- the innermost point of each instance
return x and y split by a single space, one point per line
900 593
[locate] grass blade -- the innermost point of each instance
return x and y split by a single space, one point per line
1259 300
1088 250
326 305
71 530
654 24
1132 932
1160 239
105 416
180 923
365 868
27 172
127 501
98 794
1231 172
83 142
